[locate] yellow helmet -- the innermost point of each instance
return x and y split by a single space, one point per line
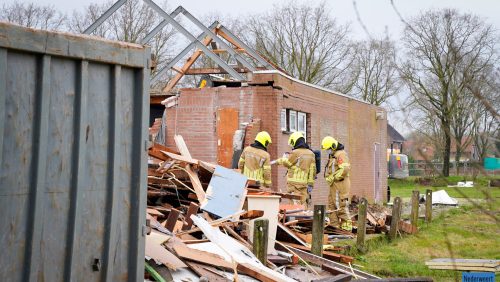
329 143
263 138
294 137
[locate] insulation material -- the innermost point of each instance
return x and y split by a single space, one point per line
237 252
442 198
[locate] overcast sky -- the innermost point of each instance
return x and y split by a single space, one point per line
378 16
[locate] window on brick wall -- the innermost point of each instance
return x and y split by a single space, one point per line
283 120
292 121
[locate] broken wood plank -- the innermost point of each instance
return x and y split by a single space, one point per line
181 146
154 212
335 265
371 218
254 191
465 268
201 270
464 262
180 158
200 256
160 147
336 278
326 254
252 214
255 273
407 228
193 209
172 219
308 238
155 250
238 252
195 181
291 234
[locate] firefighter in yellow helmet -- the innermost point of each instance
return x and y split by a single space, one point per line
301 166
254 162
337 176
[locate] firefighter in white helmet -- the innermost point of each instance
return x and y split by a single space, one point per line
337 176
254 162
301 167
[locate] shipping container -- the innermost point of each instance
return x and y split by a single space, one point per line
73 134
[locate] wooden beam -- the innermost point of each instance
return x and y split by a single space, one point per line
189 62
428 205
317 230
361 232
415 197
396 213
260 234
217 51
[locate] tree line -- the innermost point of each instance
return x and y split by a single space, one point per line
445 66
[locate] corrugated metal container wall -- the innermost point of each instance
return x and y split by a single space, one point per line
73 126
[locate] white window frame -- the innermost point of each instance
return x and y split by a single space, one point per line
303 125
283 120
292 120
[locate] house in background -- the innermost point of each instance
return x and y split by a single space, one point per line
207 118
394 140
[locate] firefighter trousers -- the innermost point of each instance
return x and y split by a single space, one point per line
340 214
298 189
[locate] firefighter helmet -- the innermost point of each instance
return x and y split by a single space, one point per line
294 137
329 143
263 138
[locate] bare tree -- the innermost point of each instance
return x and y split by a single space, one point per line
33 15
485 118
377 72
446 50
130 23
306 42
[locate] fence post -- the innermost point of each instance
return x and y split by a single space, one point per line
428 205
396 212
360 235
260 234
317 230
414 208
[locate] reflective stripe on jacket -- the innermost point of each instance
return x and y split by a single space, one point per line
301 164
255 164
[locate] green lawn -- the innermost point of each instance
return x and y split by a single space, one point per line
403 188
469 231
465 232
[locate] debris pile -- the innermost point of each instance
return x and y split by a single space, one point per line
200 221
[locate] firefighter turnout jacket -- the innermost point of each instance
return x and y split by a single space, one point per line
301 164
255 164
338 167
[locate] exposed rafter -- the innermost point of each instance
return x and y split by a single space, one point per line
210 35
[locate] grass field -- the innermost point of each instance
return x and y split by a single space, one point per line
470 231
465 232
404 187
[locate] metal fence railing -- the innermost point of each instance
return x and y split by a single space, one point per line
435 168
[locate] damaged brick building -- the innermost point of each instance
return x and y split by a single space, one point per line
208 117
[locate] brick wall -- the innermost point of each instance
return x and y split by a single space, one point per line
351 122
